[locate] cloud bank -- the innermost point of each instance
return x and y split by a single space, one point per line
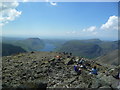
8 12
111 24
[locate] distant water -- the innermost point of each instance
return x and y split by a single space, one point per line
48 47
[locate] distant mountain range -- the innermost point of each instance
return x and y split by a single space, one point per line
30 44
89 48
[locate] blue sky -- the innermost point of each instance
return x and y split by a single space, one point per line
73 20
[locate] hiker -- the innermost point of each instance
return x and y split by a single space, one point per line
94 71
77 69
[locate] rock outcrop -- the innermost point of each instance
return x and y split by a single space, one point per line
54 70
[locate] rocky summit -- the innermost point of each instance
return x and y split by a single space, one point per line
55 70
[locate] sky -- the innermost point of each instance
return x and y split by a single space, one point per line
63 20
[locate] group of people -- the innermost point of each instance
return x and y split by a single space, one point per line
81 64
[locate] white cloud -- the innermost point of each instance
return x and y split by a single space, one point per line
104 30
53 3
8 12
90 29
9 15
7 5
111 24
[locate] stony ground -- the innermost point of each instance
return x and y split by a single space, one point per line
44 69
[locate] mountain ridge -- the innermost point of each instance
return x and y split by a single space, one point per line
88 48
29 44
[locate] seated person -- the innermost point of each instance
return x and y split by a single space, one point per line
94 71
77 69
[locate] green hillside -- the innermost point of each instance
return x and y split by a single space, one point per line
8 49
108 46
110 58
91 48
30 44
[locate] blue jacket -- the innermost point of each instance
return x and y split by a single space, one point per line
94 71
75 68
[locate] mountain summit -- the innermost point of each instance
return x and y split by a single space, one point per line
54 70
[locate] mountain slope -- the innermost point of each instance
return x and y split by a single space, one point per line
108 46
110 58
89 48
8 49
30 44
79 48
